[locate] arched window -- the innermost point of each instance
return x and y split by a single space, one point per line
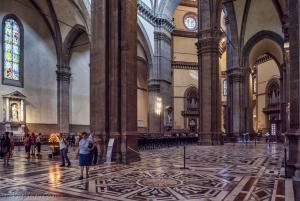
254 85
225 87
12 51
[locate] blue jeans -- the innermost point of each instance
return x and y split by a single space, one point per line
64 156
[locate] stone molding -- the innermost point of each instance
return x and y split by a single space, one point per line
237 74
263 58
154 88
159 80
63 74
184 65
153 18
209 46
162 36
187 34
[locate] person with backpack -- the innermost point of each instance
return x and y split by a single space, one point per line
63 147
38 142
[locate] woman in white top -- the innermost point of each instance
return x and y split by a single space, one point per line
85 146
63 146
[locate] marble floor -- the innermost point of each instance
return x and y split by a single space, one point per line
227 173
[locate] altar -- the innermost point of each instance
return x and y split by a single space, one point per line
14 112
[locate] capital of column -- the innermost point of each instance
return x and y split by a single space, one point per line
237 74
209 46
209 42
63 73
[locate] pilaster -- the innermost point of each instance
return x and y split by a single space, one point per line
113 77
239 117
159 80
294 94
63 76
209 87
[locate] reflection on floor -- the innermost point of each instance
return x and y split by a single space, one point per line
229 173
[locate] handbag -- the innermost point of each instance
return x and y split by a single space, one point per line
4 149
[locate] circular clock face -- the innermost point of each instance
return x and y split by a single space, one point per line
190 23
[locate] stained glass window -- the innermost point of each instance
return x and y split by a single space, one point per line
225 87
11 50
190 23
254 85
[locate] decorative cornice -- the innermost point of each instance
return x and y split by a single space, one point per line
190 113
153 18
263 58
187 34
163 37
184 65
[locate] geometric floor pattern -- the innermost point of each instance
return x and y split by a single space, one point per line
220 173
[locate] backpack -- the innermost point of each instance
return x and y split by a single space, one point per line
37 139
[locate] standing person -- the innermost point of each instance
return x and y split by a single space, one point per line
38 142
5 147
63 147
76 141
12 144
85 146
27 145
94 151
267 137
32 143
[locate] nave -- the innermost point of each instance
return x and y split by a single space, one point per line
229 173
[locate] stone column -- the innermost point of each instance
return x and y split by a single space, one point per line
209 86
239 103
113 77
283 98
294 133
63 76
159 81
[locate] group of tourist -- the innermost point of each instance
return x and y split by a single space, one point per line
31 143
6 146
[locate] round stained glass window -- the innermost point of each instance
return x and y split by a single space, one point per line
190 21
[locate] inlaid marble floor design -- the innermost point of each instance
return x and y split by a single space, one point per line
229 173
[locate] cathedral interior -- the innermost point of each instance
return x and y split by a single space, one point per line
213 84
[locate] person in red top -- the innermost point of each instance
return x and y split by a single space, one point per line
27 145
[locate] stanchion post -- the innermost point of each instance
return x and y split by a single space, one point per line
184 159
285 163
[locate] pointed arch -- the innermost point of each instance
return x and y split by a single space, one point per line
70 40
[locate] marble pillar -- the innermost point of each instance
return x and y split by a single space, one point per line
63 76
159 81
113 83
294 94
239 101
209 87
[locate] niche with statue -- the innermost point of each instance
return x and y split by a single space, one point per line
14 112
